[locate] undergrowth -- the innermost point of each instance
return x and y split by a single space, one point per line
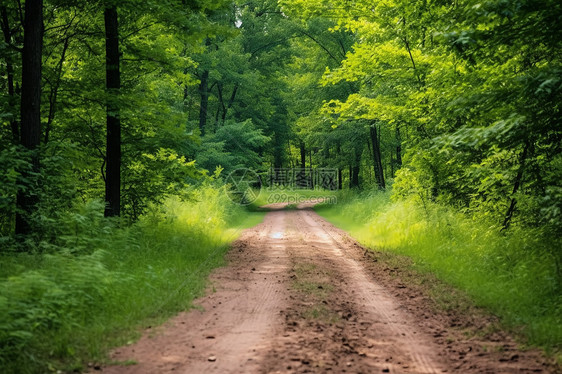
513 274
96 284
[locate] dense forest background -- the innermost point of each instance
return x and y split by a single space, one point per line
454 101
115 107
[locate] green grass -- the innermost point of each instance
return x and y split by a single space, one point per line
511 274
60 310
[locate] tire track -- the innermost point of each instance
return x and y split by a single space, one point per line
297 297
376 302
236 323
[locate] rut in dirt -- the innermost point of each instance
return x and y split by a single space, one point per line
299 296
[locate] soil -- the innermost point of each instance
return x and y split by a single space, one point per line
300 296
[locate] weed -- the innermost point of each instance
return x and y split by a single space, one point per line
513 275
100 284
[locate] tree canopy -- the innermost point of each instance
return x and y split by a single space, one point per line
454 102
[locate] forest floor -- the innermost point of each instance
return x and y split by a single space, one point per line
300 296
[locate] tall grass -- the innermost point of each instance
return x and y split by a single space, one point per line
513 274
101 283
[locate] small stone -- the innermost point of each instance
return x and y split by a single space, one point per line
212 359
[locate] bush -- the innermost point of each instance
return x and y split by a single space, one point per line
101 282
513 274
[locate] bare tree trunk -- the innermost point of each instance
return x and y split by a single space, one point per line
398 148
230 103
204 92
516 186
355 168
10 76
340 179
354 183
113 85
303 155
54 91
30 105
377 160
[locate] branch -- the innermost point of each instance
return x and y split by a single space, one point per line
416 73
321 46
137 30
266 45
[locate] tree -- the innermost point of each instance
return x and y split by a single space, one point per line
30 106
8 35
113 85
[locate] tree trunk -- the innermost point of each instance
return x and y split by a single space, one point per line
356 168
10 77
377 160
113 85
398 148
340 179
354 182
230 103
204 92
303 155
54 91
221 107
30 105
516 186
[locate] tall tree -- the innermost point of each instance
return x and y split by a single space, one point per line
30 106
377 160
113 142
8 34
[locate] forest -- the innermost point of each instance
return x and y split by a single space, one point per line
121 121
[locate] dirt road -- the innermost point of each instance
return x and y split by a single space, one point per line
299 296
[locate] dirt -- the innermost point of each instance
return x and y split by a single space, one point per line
300 296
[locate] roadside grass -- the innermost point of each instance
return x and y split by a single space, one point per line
61 310
513 275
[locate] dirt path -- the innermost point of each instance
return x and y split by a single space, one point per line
299 296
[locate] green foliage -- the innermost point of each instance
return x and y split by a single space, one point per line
153 177
53 185
514 276
39 307
58 311
473 87
13 161
465 97
233 146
